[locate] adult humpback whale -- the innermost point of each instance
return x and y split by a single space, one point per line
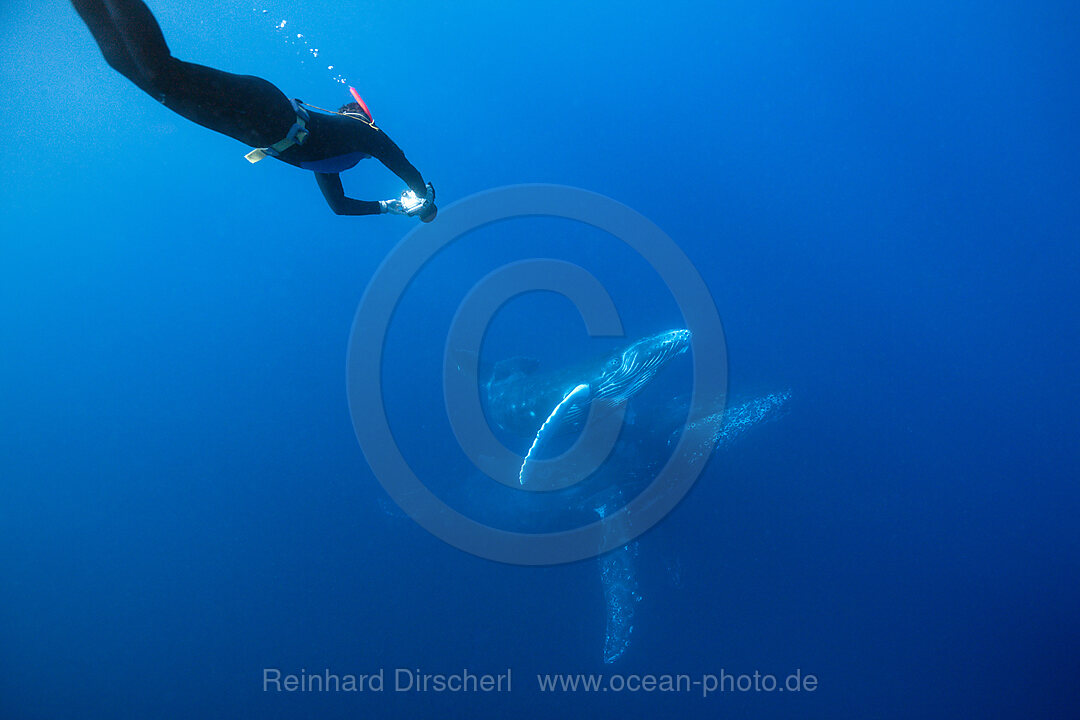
545 406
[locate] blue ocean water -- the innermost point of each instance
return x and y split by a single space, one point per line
881 197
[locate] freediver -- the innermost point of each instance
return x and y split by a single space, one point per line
254 111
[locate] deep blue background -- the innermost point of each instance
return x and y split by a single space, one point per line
883 198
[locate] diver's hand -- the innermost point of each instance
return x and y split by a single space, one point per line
392 207
411 205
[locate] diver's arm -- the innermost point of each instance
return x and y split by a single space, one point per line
330 184
389 154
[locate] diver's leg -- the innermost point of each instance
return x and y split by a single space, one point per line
141 34
97 19
247 108
244 107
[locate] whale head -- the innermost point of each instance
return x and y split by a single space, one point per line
626 373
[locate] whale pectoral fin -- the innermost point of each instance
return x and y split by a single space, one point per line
566 412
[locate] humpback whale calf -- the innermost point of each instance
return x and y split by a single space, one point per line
543 406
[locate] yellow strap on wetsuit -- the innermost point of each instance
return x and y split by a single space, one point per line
297 135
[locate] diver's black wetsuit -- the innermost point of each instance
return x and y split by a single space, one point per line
243 107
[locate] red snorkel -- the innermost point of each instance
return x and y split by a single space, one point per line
360 102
